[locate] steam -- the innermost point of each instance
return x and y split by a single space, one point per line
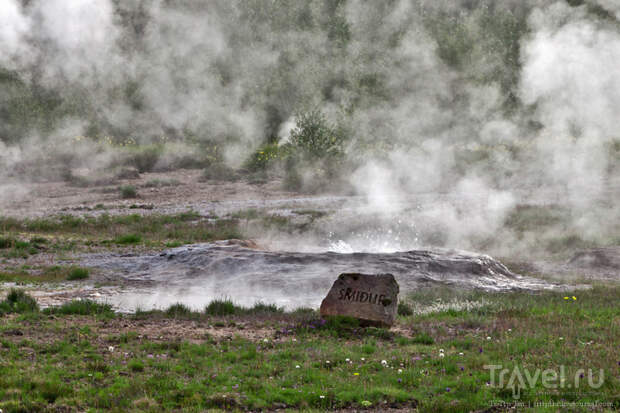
234 73
14 27
569 76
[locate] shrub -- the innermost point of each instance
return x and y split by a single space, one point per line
52 390
404 309
315 138
221 307
218 171
145 158
135 365
260 307
423 338
6 243
78 274
18 301
128 192
260 160
128 239
178 310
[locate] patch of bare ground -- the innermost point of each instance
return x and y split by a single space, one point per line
155 328
187 192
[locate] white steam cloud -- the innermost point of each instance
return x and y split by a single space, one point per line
235 73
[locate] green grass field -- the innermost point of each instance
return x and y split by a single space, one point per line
20 238
83 356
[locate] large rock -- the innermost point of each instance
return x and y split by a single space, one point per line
371 298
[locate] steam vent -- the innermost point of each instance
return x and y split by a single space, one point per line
371 298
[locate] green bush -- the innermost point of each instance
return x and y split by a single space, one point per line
263 157
128 239
128 192
18 301
218 171
423 338
315 138
145 158
404 309
6 243
221 307
78 274
136 365
178 310
265 308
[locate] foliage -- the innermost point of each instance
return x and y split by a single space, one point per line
81 307
218 171
128 239
178 310
128 192
263 157
221 307
153 229
78 274
434 362
315 138
145 157
404 309
18 301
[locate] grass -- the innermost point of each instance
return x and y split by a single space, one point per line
160 183
128 239
81 307
296 360
247 214
92 364
152 230
404 309
12 247
178 310
18 301
221 307
128 192
32 275
78 274
218 171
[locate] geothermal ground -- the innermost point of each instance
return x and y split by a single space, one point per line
170 292
176 238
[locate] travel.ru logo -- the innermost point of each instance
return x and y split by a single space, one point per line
520 378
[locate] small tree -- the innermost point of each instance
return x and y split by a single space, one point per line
315 138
